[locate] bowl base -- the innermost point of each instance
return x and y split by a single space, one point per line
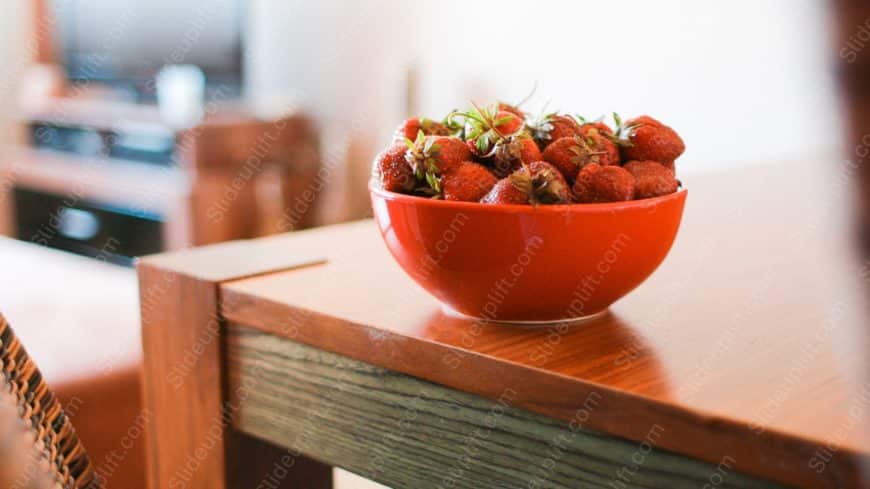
527 324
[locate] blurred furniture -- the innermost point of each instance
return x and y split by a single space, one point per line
730 367
103 177
852 21
109 177
853 70
40 447
79 320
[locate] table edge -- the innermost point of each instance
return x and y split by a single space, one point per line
714 434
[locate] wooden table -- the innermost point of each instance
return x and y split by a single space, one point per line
741 363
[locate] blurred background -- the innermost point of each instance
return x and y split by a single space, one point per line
744 82
129 128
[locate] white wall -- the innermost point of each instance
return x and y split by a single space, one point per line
743 81
12 59
336 61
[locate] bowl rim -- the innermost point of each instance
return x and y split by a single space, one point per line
575 207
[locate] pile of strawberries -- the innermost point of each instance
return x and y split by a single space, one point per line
498 155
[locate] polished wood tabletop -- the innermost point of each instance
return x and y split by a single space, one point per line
750 341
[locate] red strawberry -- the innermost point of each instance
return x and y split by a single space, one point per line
571 154
507 123
467 182
511 154
537 183
587 125
642 119
505 192
649 139
392 170
650 186
430 156
565 155
552 127
513 109
651 179
563 125
498 138
598 126
442 152
485 127
411 127
601 143
596 183
643 168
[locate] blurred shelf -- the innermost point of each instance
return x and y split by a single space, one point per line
230 177
145 187
119 116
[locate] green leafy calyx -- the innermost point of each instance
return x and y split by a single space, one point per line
422 155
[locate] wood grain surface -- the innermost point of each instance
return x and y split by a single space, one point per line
189 442
747 342
404 432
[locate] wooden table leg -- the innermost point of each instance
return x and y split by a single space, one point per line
190 442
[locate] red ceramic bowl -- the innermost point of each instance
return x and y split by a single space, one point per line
527 263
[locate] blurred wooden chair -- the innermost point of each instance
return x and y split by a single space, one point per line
852 67
39 447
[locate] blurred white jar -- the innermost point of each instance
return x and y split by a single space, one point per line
181 95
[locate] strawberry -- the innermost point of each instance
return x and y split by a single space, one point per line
586 126
648 139
565 154
599 127
536 183
507 123
602 143
411 127
512 153
570 154
551 127
655 186
505 192
392 170
467 181
643 168
547 184
513 109
652 179
641 119
430 156
596 183
485 127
